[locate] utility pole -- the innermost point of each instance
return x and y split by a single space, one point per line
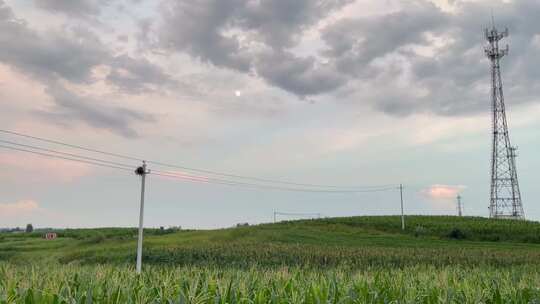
141 171
459 206
402 214
274 216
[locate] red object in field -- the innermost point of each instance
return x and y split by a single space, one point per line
50 236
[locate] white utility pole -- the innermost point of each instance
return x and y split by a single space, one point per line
142 172
402 214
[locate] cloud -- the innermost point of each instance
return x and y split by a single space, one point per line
82 9
303 76
424 59
71 107
355 42
70 56
19 208
251 37
26 211
34 168
417 58
194 27
136 75
79 8
414 58
443 192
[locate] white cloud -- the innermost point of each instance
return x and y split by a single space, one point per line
442 197
443 192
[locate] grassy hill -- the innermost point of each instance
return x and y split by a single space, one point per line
352 241
335 260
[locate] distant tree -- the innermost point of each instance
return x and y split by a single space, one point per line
29 228
457 234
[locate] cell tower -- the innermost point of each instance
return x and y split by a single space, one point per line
505 199
459 205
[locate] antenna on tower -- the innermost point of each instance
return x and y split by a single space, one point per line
505 197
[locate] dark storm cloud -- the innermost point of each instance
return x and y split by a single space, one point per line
377 52
354 43
299 75
206 30
71 56
282 23
67 55
377 60
195 26
453 76
450 79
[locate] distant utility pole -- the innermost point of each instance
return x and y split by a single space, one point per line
459 205
402 214
274 216
141 171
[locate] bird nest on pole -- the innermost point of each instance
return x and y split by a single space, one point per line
140 171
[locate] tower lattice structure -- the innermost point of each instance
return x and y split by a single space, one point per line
505 201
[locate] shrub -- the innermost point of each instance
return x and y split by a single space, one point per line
29 228
457 234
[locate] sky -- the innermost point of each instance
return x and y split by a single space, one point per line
348 93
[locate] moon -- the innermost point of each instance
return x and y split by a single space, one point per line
237 93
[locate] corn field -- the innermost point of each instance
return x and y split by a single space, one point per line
347 260
114 284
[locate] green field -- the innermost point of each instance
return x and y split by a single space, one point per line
337 260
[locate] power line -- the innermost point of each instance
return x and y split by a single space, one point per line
96 161
70 145
260 186
264 179
66 158
68 154
283 182
186 177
